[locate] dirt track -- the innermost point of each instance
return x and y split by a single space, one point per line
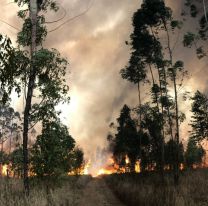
97 193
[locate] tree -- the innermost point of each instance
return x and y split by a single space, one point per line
194 153
152 23
77 161
16 159
160 19
170 158
195 38
4 160
9 124
52 151
126 141
38 75
199 121
135 73
151 123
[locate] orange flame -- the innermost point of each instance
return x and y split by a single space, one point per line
4 170
127 161
137 167
86 168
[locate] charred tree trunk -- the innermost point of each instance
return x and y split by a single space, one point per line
31 84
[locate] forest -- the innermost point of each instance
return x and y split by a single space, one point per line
155 150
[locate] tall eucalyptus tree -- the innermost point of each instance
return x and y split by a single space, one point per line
39 74
152 23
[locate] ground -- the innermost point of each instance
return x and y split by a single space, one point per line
131 189
69 191
97 193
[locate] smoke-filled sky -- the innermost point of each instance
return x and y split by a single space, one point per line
95 46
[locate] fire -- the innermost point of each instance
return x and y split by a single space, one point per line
181 166
111 161
105 172
137 167
86 168
112 167
127 160
4 170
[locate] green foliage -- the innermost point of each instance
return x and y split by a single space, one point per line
151 24
198 35
194 153
155 11
193 10
152 122
176 24
189 39
199 121
50 83
3 158
8 69
200 52
77 161
47 4
135 71
127 140
146 47
16 159
24 36
52 151
9 123
170 153
15 68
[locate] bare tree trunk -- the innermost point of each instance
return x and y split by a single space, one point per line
162 132
153 82
177 137
162 110
205 11
168 107
2 146
176 177
31 84
140 119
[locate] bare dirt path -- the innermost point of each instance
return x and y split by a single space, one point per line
97 193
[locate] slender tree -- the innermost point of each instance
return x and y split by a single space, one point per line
194 153
39 74
152 22
30 88
199 121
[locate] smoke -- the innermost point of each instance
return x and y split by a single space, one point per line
95 46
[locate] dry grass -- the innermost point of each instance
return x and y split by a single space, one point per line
146 190
133 190
67 193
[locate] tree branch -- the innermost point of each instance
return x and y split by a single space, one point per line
73 18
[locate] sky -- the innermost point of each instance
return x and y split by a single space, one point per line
94 45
